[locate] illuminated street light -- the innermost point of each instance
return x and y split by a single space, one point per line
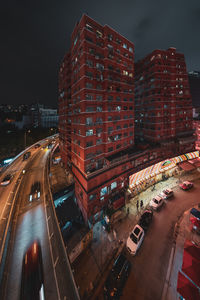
25 138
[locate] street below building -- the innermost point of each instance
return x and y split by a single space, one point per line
150 265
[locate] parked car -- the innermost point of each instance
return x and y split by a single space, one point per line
6 180
186 185
168 193
156 202
117 277
135 239
146 219
35 191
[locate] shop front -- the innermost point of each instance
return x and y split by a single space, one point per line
145 178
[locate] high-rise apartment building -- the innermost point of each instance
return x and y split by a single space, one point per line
194 82
96 114
163 106
96 109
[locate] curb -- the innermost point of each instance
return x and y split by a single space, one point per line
166 285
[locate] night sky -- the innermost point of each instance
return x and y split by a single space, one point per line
36 34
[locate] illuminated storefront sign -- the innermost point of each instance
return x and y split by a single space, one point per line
145 174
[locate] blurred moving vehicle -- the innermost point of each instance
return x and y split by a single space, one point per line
6 180
117 277
32 280
166 194
146 219
186 185
135 239
26 155
37 146
156 202
35 191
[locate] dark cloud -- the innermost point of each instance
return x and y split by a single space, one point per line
35 35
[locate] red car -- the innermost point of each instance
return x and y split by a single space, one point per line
32 282
186 185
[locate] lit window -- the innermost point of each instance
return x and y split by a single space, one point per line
89 132
113 185
104 191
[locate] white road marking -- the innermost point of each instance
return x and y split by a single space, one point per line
56 261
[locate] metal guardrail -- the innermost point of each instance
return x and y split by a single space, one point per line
57 228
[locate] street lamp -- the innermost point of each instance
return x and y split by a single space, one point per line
25 138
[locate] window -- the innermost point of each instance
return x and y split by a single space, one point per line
99 131
99 121
89 74
99 34
89 144
89 97
89 132
110 149
99 87
92 197
131 49
99 98
118 127
89 63
99 141
99 108
125 46
99 67
89 109
109 118
104 191
118 146
89 27
89 85
110 98
110 129
118 108
88 121
113 185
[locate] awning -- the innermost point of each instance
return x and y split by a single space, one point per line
146 173
186 166
191 267
186 289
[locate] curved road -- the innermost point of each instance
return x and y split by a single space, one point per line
34 221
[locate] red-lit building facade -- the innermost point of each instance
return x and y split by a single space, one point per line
96 108
163 105
96 118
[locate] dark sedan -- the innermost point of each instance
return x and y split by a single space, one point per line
117 278
146 219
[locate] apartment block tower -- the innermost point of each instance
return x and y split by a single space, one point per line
163 105
96 113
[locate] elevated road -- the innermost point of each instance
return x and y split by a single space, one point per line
36 221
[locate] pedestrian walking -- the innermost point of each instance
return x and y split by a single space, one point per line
141 204
137 205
